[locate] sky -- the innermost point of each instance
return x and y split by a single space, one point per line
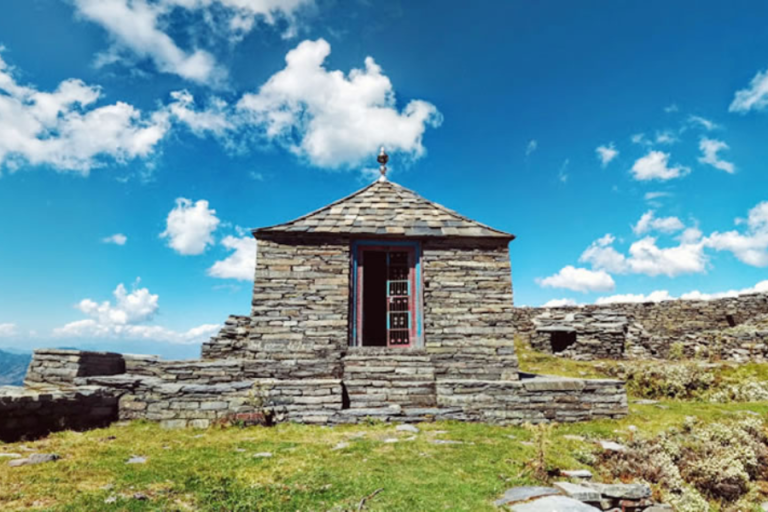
623 143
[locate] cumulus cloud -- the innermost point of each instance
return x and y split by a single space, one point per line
655 166
657 296
139 28
606 153
63 128
241 264
749 246
190 226
649 222
579 280
7 330
761 287
117 239
646 257
331 119
754 97
126 317
710 149
215 119
559 303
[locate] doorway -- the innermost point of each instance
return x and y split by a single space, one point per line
386 304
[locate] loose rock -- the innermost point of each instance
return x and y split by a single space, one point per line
35 458
407 428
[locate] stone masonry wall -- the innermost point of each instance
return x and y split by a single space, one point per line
300 310
730 326
61 367
468 329
27 413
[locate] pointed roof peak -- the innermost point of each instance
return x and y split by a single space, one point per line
386 209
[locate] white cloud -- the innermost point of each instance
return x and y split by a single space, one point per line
648 222
579 280
64 130
601 255
751 246
125 319
214 119
652 196
754 97
241 264
7 330
703 122
562 174
710 149
670 109
117 239
559 303
655 166
606 153
190 226
666 137
332 119
645 257
533 144
139 27
761 287
657 296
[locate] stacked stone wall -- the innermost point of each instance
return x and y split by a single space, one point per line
732 328
27 413
61 367
468 329
383 377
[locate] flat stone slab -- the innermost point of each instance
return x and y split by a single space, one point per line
518 494
554 504
611 446
137 460
35 458
578 492
621 491
577 473
263 455
407 428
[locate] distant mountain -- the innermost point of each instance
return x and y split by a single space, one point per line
13 367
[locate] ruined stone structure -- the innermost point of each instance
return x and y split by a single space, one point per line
732 329
382 304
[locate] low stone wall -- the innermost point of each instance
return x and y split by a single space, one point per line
61 367
176 404
383 377
27 413
534 399
730 327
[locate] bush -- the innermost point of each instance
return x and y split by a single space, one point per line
720 461
683 381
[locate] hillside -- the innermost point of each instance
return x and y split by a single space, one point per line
13 367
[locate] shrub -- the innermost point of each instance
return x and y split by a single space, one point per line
720 461
682 381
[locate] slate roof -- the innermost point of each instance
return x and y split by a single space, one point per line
386 209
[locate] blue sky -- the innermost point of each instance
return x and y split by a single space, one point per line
622 142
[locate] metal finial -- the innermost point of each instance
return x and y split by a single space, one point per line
383 159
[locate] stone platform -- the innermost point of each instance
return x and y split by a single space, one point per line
399 387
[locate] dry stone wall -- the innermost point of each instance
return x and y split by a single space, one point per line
731 328
27 413
61 367
468 329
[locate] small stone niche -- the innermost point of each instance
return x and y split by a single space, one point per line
560 341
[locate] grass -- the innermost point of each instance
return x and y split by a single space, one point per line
215 469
